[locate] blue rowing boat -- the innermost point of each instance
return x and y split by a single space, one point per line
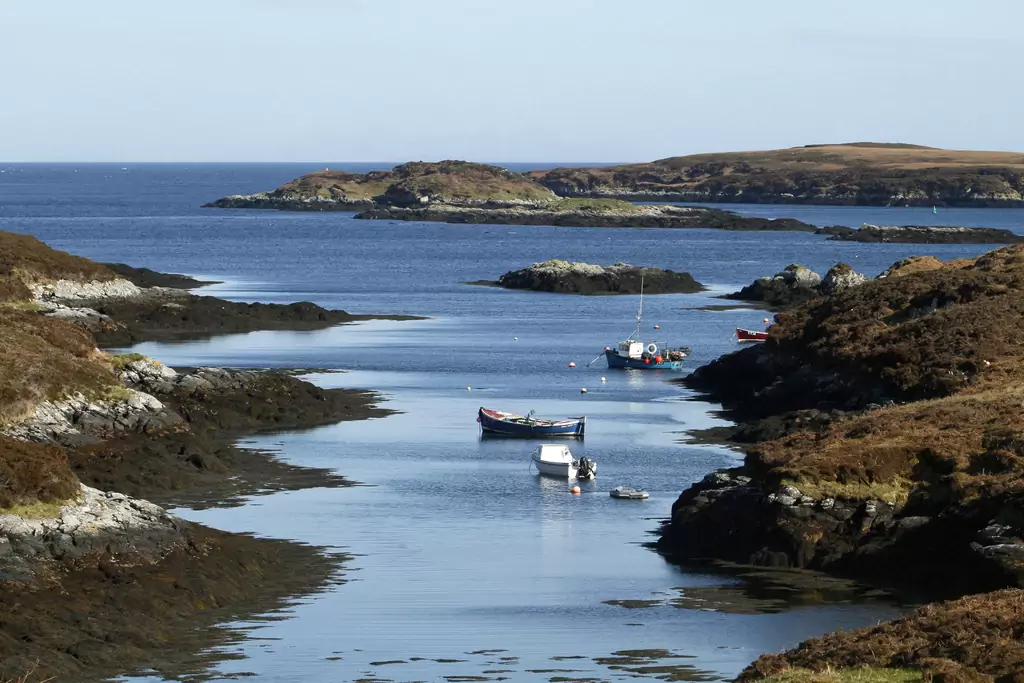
510 424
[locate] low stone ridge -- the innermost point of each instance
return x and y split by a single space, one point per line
607 213
795 285
585 278
921 234
145 277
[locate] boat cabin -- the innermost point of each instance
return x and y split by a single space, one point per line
631 349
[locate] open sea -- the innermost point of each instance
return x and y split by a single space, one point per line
467 565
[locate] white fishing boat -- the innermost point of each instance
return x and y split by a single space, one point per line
556 460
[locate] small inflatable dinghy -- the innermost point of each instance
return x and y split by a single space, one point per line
629 493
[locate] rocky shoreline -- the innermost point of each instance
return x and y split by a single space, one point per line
585 278
882 431
92 444
920 234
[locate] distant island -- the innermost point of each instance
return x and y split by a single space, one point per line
465 192
566 277
863 173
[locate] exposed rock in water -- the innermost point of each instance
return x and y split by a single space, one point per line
585 278
144 277
921 234
793 285
587 213
290 201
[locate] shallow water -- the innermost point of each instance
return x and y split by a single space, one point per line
458 547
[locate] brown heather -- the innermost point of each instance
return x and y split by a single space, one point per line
33 473
43 358
945 340
23 259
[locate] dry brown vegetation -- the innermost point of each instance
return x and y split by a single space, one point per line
974 637
32 473
947 340
44 358
24 259
858 173
451 180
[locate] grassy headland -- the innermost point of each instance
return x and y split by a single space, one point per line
858 173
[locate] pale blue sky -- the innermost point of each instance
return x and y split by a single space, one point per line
518 80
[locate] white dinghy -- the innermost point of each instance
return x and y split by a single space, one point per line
556 460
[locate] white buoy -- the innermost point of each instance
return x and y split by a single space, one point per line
515 338
583 390
766 321
604 379
657 327
469 388
572 364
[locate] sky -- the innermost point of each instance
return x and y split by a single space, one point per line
509 80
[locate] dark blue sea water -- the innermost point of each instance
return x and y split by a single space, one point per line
459 548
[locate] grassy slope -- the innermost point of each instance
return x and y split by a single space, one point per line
24 259
873 171
960 368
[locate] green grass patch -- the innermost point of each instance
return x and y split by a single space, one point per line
121 361
864 675
37 509
25 305
601 205
894 492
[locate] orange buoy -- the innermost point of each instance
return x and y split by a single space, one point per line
647 361
576 490
657 359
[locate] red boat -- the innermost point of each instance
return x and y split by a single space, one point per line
750 335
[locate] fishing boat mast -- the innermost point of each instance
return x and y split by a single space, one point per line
639 311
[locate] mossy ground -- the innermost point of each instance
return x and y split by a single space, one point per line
863 675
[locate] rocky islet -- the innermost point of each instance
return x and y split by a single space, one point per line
566 277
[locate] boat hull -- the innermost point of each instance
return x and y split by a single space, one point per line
506 424
553 469
750 335
617 361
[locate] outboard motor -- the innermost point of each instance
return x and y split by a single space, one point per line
587 469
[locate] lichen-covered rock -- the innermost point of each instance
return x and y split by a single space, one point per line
586 278
73 290
840 277
76 419
793 285
95 522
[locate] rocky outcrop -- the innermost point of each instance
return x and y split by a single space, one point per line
78 420
921 234
570 213
840 277
585 278
74 290
732 517
112 525
796 284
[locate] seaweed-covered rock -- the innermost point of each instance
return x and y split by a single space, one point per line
585 278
